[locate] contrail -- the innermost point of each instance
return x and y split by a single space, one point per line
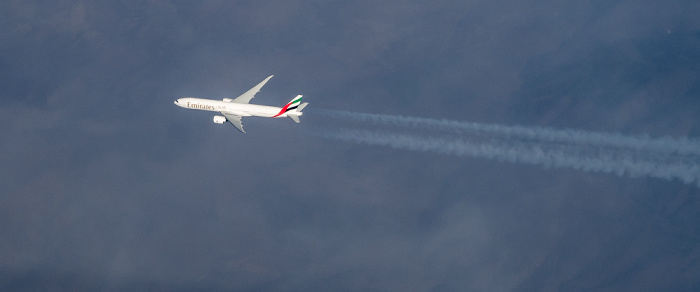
664 158
665 144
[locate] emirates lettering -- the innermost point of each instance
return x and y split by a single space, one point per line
200 106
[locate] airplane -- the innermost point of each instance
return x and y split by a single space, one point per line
232 110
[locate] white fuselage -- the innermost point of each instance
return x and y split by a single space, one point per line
241 109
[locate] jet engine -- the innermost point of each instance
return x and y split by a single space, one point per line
219 119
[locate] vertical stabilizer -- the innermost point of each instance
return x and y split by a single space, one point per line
292 109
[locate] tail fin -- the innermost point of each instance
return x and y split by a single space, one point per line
294 104
293 109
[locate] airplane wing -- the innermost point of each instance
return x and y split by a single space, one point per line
248 95
235 120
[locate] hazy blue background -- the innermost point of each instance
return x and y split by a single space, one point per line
106 184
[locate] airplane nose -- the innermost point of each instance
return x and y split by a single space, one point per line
176 102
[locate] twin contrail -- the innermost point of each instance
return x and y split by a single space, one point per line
665 158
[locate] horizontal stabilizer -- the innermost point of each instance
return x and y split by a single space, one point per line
302 106
295 118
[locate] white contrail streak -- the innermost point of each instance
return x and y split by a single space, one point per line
665 158
557 156
665 144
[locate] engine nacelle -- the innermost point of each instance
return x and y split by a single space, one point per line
219 119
